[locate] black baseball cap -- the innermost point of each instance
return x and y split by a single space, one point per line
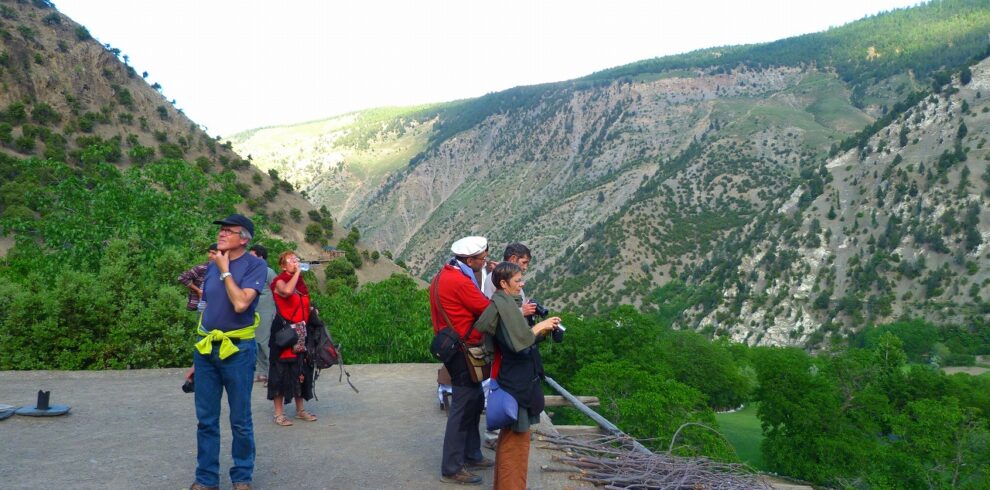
237 220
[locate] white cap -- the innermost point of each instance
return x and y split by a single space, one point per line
469 246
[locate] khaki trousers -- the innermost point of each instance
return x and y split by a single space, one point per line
511 460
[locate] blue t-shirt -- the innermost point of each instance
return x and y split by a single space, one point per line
248 272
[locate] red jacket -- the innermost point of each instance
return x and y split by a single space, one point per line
461 299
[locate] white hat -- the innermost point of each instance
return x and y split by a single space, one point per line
469 246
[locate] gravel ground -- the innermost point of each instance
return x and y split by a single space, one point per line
136 429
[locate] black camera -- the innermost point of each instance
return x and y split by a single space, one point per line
541 311
187 387
557 335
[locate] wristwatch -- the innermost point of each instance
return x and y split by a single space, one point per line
224 275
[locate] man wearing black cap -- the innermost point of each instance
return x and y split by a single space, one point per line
224 358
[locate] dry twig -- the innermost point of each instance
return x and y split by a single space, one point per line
613 463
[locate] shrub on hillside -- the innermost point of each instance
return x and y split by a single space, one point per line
141 155
6 133
15 114
314 233
82 33
350 252
24 144
171 150
44 114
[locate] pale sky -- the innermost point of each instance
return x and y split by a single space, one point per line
233 65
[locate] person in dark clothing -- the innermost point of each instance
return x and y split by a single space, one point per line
517 368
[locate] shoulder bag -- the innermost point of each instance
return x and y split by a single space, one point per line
502 409
447 344
291 333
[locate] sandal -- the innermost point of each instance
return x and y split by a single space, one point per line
282 420
304 415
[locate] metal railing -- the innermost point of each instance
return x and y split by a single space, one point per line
601 421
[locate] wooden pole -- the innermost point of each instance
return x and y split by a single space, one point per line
602 421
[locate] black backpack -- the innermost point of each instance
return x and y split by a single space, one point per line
323 351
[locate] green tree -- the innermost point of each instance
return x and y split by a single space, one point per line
314 233
82 33
16 114
350 252
916 336
801 412
384 322
44 114
706 366
965 75
648 406
942 445
341 273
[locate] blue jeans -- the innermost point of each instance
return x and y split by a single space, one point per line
236 375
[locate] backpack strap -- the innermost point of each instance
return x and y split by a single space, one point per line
344 371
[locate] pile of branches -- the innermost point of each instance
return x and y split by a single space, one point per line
613 463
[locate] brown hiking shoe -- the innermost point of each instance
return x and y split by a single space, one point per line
481 463
462 477
242 486
199 486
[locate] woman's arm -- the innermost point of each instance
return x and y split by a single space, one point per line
286 288
488 321
546 326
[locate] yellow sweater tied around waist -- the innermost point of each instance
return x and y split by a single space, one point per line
227 348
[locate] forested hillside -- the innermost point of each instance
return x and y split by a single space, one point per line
107 194
754 187
337 162
68 98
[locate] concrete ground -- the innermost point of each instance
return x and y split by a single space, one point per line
137 429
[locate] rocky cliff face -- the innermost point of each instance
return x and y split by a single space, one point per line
771 204
901 229
536 174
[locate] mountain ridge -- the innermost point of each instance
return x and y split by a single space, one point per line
634 178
